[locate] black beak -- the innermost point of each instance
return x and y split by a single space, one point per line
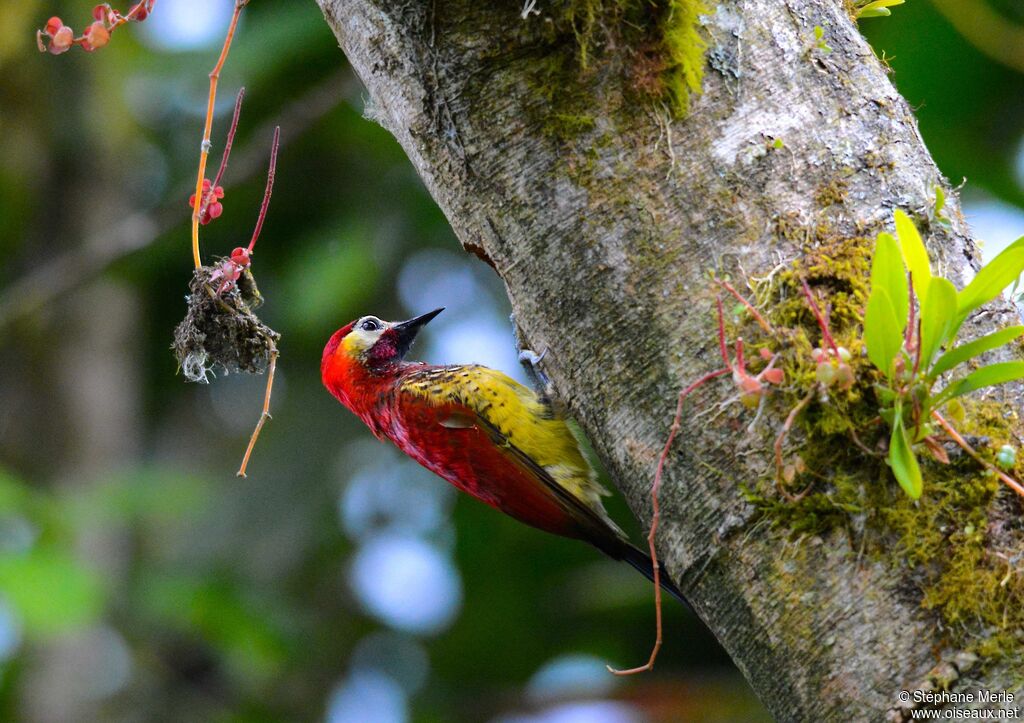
407 330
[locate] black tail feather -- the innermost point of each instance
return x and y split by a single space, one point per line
642 562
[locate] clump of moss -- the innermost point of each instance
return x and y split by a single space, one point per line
659 42
568 97
815 513
220 330
571 124
683 49
837 268
959 546
834 269
963 539
832 193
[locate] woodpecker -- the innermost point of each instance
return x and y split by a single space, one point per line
479 429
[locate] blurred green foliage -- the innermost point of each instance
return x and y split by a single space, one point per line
968 107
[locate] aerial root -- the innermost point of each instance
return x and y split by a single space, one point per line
264 415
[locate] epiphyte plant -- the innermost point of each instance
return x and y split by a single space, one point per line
874 8
220 329
910 325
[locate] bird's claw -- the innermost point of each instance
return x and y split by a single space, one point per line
531 363
528 356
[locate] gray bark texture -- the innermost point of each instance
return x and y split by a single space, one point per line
605 237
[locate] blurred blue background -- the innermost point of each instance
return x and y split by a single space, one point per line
139 579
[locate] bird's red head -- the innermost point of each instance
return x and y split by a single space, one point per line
367 349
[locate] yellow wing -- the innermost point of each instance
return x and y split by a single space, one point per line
520 417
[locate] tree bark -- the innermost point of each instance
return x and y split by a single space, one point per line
603 224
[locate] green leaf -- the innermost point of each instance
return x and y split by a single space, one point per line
883 333
940 204
915 255
888 273
903 462
885 396
993 277
886 315
938 311
988 376
879 8
962 353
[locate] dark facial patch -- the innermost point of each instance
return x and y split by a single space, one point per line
386 350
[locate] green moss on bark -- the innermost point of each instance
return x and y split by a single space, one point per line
959 547
658 44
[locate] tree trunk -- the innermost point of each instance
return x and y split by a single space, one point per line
603 215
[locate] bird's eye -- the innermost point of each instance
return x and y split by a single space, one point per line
370 325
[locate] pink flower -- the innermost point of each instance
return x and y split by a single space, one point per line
240 256
211 207
60 37
140 11
96 36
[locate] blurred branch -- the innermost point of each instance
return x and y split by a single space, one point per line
995 35
96 253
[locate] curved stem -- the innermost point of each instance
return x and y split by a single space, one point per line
264 415
204 148
750 307
268 190
781 439
955 436
826 335
656 517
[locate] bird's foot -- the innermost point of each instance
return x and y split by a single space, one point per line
531 362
